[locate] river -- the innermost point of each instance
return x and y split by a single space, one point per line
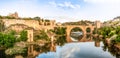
78 50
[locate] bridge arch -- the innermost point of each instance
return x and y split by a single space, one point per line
18 27
76 34
83 28
21 27
69 28
88 30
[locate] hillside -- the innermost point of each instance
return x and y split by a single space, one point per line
114 22
82 22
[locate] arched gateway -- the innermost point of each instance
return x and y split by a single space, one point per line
19 28
83 28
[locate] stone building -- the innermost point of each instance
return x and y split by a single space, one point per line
15 15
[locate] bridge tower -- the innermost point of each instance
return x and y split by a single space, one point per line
98 24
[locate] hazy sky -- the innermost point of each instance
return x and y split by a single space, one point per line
63 10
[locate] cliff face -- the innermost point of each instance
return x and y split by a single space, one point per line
114 22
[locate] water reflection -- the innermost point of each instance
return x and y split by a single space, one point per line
115 51
2 53
76 36
60 48
97 43
35 50
77 50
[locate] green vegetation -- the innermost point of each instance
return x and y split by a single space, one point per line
88 30
95 31
60 35
7 40
37 18
27 18
10 42
42 35
61 40
59 30
117 40
47 20
117 30
108 32
118 17
8 17
85 22
1 17
23 36
15 50
76 29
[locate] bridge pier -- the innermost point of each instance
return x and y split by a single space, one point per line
68 39
30 50
30 35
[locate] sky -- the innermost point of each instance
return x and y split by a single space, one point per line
63 10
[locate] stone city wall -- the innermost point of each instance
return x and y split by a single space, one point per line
30 23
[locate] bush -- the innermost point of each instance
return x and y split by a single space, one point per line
117 39
7 40
106 31
42 35
23 36
61 40
15 50
59 31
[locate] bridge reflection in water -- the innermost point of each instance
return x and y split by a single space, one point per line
80 38
35 50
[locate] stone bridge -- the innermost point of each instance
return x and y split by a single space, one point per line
82 27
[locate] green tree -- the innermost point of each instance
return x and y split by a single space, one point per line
47 20
8 17
76 29
23 36
60 31
42 35
106 31
27 18
12 32
117 39
117 30
7 40
37 18
1 17
88 30
61 40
